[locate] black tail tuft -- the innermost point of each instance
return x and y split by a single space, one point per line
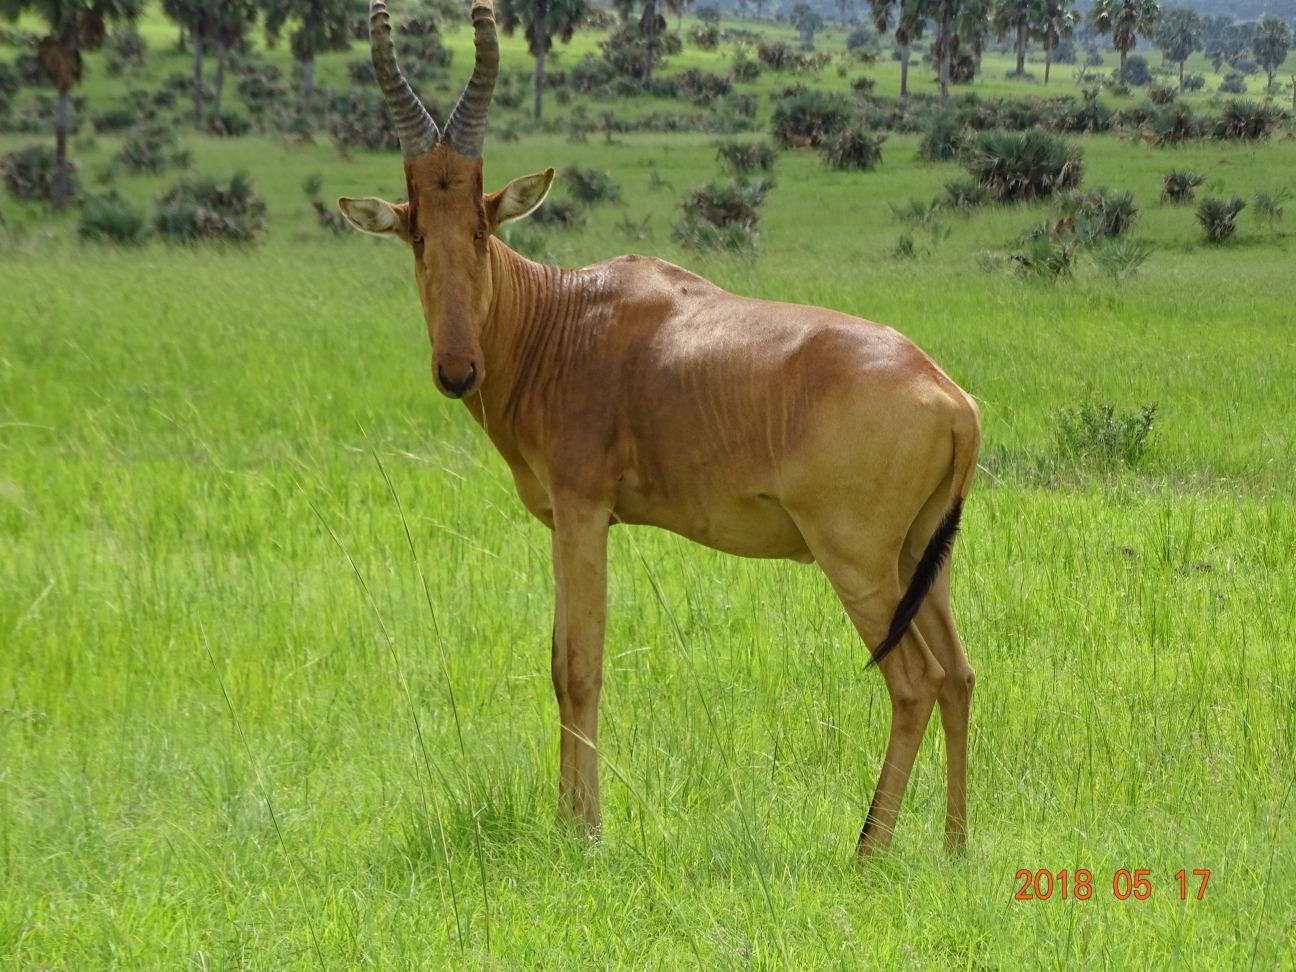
933 558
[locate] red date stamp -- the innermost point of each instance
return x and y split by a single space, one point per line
1137 884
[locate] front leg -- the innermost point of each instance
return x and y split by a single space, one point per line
580 615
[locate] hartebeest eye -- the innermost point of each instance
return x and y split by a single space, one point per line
415 238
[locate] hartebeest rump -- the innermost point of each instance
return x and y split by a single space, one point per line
633 391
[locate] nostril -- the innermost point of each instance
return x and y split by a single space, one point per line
457 389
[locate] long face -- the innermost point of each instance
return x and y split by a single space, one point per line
448 220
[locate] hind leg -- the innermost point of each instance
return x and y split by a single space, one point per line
869 588
935 621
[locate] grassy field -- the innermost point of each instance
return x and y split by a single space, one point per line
222 745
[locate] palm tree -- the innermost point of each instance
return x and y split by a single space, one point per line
973 26
1124 20
231 20
1054 20
1272 41
74 26
945 14
541 21
1016 15
322 25
908 28
1178 34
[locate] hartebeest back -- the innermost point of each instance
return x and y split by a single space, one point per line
633 391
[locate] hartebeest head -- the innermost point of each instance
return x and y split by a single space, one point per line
448 220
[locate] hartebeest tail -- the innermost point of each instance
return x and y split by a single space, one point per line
924 576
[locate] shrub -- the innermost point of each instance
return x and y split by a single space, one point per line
558 212
1047 255
747 157
1174 124
10 81
358 117
1269 204
721 206
943 138
861 37
1233 83
697 234
705 37
124 47
862 85
1179 187
591 186
1023 166
229 124
854 149
1160 94
114 120
809 118
743 68
1193 82
702 87
525 239
1095 431
203 209
1098 213
1248 120
1065 52
776 55
1122 259
28 174
151 148
111 219
1137 71
1219 218
962 194
1090 115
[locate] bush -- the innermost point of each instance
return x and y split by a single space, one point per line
1219 218
747 157
1098 213
28 174
1023 166
229 124
591 186
361 71
111 219
943 138
558 212
854 149
1122 259
10 82
114 120
261 86
525 239
151 148
1269 204
698 234
743 68
1095 431
862 85
1137 71
1193 82
1160 94
1090 115
1233 83
203 209
962 194
722 206
358 117
703 87
1065 52
775 55
809 118
1175 123
1047 255
1248 120
705 37
1179 187
124 47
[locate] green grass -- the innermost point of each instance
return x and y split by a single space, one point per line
181 429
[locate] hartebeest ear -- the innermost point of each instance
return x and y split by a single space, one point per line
518 198
377 216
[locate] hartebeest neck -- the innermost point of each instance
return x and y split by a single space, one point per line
532 325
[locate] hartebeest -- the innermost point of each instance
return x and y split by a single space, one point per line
633 391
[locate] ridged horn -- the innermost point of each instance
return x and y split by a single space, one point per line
465 129
414 126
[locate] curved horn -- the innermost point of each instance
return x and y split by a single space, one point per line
466 127
415 127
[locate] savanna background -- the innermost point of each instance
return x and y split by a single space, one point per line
274 628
